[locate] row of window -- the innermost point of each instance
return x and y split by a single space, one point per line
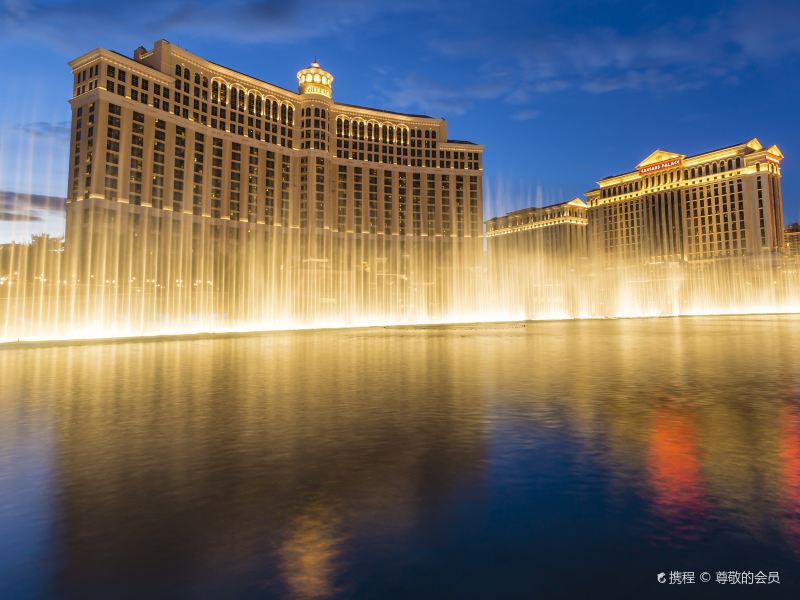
231 109
246 183
672 176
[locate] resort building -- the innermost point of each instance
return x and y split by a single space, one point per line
721 203
171 131
187 173
557 229
792 236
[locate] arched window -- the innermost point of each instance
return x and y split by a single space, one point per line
197 78
290 115
258 106
205 82
241 100
730 165
283 113
361 130
738 163
274 110
215 92
338 127
223 94
251 103
178 70
186 73
714 168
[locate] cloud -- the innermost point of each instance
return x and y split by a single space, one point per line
525 115
43 130
65 23
20 200
16 217
675 54
438 98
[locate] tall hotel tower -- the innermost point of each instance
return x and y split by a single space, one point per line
721 203
189 156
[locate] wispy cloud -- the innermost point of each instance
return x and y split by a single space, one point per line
439 98
65 23
43 130
18 217
679 55
22 203
525 115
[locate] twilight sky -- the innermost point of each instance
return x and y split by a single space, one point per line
560 93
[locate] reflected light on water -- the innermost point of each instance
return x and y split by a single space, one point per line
337 463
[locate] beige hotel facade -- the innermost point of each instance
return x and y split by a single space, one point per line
672 207
171 134
721 203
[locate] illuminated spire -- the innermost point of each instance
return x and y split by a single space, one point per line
315 80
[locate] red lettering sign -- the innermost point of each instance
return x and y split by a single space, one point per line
667 164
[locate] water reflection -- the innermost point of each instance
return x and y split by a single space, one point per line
395 462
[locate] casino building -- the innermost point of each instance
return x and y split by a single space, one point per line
792 237
557 229
172 131
176 155
721 203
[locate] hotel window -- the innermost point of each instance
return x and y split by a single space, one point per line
320 191
112 152
387 202
373 200
252 185
285 180
416 201
269 189
234 202
217 150
342 198
157 185
460 205
475 224
179 168
137 159
197 181
402 202
303 192
431 202
357 199
446 216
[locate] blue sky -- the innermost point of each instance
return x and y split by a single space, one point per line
560 93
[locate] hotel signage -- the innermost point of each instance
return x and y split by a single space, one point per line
660 166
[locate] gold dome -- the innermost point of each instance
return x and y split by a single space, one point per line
315 80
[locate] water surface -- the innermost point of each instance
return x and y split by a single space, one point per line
554 459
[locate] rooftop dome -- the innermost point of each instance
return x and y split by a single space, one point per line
315 80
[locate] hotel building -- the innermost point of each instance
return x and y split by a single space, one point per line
725 202
185 172
792 236
557 229
171 131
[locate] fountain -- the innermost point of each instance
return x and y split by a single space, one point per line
129 271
